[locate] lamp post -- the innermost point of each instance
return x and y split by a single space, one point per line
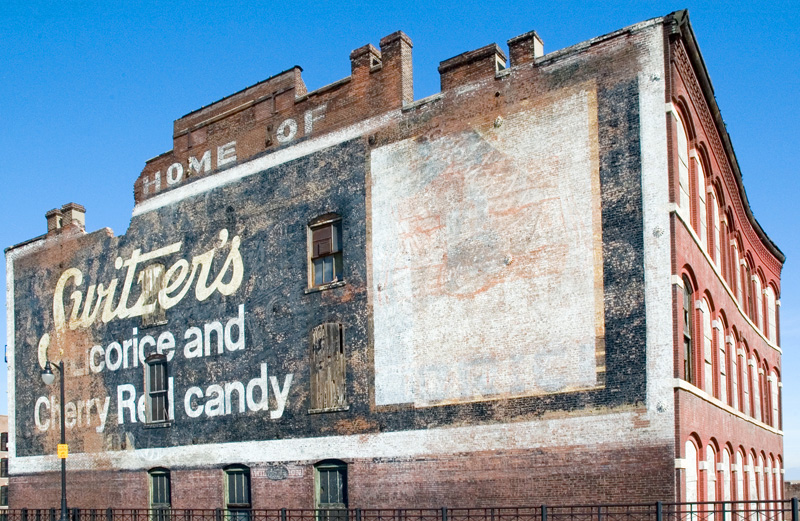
47 378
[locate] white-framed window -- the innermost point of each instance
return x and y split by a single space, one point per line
726 475
702 216
759 302
737 282
723 362
717 236
691 472
739 476
755 385
773 388
752 485
688 334
711 477
325 250
746 380
156 381
772 330
734 372
708 349
683 165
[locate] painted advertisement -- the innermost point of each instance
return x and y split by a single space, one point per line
216 288
488 268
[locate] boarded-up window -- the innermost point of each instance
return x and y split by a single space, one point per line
150 281
328 367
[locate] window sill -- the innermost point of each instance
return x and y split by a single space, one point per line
323 287
329 409
157 425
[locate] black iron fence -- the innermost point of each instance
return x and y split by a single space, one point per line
710 511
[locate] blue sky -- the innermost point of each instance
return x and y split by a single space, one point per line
89 90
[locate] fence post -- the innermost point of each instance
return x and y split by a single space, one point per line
109 514
24 514
358 514
283 514
444 513
75 515
218 514
659 511
544 512
723 510
795 517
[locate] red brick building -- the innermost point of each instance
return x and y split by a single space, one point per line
545 278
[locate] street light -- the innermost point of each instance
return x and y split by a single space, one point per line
47 378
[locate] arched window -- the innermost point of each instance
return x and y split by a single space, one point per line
711 477
759 302
773 389
691 472
688 330
708 349
702 216
683 165
755 385
723 359
716 252
771 319
752 486
726 475
760 484
734 370
744 364
740 492
768 482
778 480
736 274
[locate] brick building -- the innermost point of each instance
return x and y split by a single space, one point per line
544 278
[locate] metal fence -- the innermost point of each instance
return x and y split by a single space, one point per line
709 511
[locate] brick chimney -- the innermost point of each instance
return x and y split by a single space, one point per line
71 217
525 48
54 219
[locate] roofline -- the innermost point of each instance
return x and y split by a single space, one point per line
678 23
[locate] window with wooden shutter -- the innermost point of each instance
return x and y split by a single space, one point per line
328 368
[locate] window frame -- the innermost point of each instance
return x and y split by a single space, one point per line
689 362
157 474
326 467
335 252
152 361
244 472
